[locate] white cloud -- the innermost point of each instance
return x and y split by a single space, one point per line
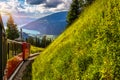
50 6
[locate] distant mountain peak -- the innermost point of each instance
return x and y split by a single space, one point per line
53 24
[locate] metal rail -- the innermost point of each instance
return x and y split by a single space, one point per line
18 68
23 64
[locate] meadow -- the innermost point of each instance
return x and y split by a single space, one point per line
88 50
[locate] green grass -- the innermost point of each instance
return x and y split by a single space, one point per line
34 49
27 74
88 50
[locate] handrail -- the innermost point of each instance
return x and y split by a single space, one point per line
8 40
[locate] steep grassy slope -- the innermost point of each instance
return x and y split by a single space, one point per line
88 50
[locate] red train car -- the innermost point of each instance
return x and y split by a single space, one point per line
26 50
17 52
12 53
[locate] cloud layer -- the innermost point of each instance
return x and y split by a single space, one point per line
34 7
35 2
53 3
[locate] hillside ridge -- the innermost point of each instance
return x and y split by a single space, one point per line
87 50
53 24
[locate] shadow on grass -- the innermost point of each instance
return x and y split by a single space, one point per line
28 72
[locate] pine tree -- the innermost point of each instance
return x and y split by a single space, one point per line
76 8
12 31
43 42
73 12
89 1
81 3
38 43
31 40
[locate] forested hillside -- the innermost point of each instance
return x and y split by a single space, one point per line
88 50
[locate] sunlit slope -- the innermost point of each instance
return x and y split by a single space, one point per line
88 50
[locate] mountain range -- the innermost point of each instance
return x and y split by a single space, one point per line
53 24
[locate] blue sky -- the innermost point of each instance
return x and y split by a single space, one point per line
33 8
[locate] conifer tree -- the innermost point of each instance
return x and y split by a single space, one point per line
12 31
73 12
76 8
89 1
43 42
81 3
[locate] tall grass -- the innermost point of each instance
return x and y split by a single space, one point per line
88 50
34 49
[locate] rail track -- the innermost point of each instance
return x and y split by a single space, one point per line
18 74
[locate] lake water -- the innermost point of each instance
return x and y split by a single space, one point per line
30 31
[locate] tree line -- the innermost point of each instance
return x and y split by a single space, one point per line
36 41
